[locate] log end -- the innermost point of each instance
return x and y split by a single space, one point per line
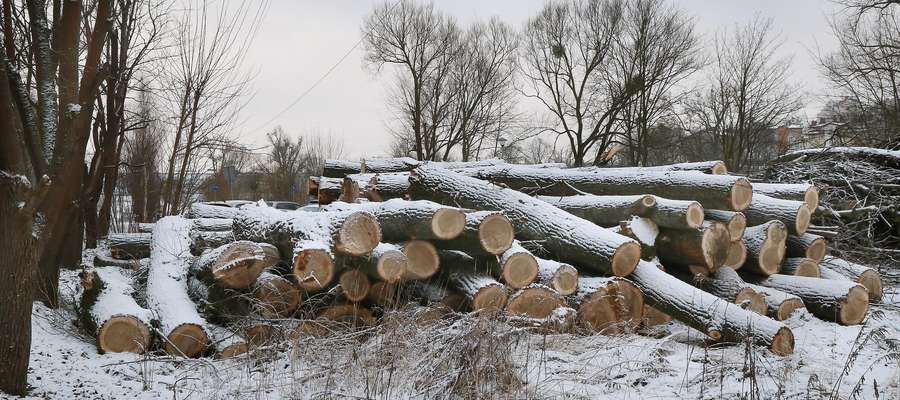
852 309
783 342
871 280
422 260
349 315
448 223
313 269
123 333
355 285
277 297
654 317
188 339
496 233
801 223
807 267
383 294
519 270
719 168
787 307
737 255
534 302
392 265
737 225
773 249
565 281
755 301
817 249
648 201
741 194
811 198
490 297
240 264
695 215
614 308
715 244
259 334
233 350
359 234
626 258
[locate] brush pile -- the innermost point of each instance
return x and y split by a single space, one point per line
548 248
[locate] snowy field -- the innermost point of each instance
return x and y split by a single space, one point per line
471 357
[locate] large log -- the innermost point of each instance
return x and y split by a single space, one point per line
608 305
609 210
387 262
204 210
712 191
794 214
382 165
340 168
464 274
108 312
779 305
518 268
383 187
765 247
559 276
329 190
534 301
843 302
403 220
804 192
726 284
354 285
734 220
574 240
422 260
707 246
236 265
807 245
709 314
715 167
485 233
868 277
800 266
128 246
167 297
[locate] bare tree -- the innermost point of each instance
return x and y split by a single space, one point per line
141 157
283 165
747 96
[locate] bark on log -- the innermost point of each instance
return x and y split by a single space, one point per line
329 190
737 255
712 191
714 167
109 313
167 296
129 246
485 233
807 245
472 279
765 247
868 277
422 260
340 168
707 246
608 305
384 187
403 220
609 210
572 239
709 314
559 276
204 240
779 305
726 284
843 302
387 262
794 214
213 224
204 210
534 301
735 221
382 165
236 265
800 266
804 192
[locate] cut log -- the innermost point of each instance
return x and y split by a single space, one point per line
559 276
868 277
312 186
608 305
329 190
355 285
382 165
712 191
735 221
104 259
807 245
129 246
422 260
737 255
236 265
843 302
387 262
213 224
709 314
313 266
109 313
765 247
353 316
486 233
518 267
275 297
464 274
574 240
804 192
340 168
707 246
654 317
800 266
726 284
402 220
779 305
609 210
714 167
384 294
534 301
644 231
794 214
210 210
384 187
351 189
204 240
167 297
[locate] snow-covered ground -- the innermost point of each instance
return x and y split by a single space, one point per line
470 357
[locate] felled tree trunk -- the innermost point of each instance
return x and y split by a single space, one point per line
354 285
712 191
868 277
351 190
518 268
213 224
779 305
486 233
609 210
794 214
387 262
108 312
464 274
707 246
384 187
717 318
644 231
203 210
726 284
559 276
129 246
843 302
275 296
735 221
340 168
402 220
765 247
714 167
800 266
534 301
572 239
236 265
608 305
807 245
804 192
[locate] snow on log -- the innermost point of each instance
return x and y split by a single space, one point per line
213 224
574 240
709 314
765 247
108 312
712 191
644 231
726 283
203 240
890 158
386 262
794 214
464 274
737 255
804 192
707 246
608 304
402 220
382 165
167 297
485 233
800 266
236 265
422 260
779 305
145 227
388 186
708 167
205 210
734 220
329 190
843 302
128 246
559 276
868 277
807 245
609 210
534 301
340 168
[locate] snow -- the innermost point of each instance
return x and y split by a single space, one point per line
644 229
849 150
116 297
170 260
73 108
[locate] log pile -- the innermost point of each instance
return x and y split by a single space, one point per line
581 250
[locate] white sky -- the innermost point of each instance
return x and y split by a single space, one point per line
300 40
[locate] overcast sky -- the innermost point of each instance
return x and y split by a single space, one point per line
300 40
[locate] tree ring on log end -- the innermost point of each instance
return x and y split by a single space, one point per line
783 342
817 249
534 302
491 297
123 333
802 221
719 168
565 281
787 308
695 215
807 267
355 285
496 233
736 226
715 245
811 198
853 308
448 223
392 265
313 269
422 260
520 270
626 258
741 194
233 350
648 201
278 297
737 255
188 339
359 234
871 280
